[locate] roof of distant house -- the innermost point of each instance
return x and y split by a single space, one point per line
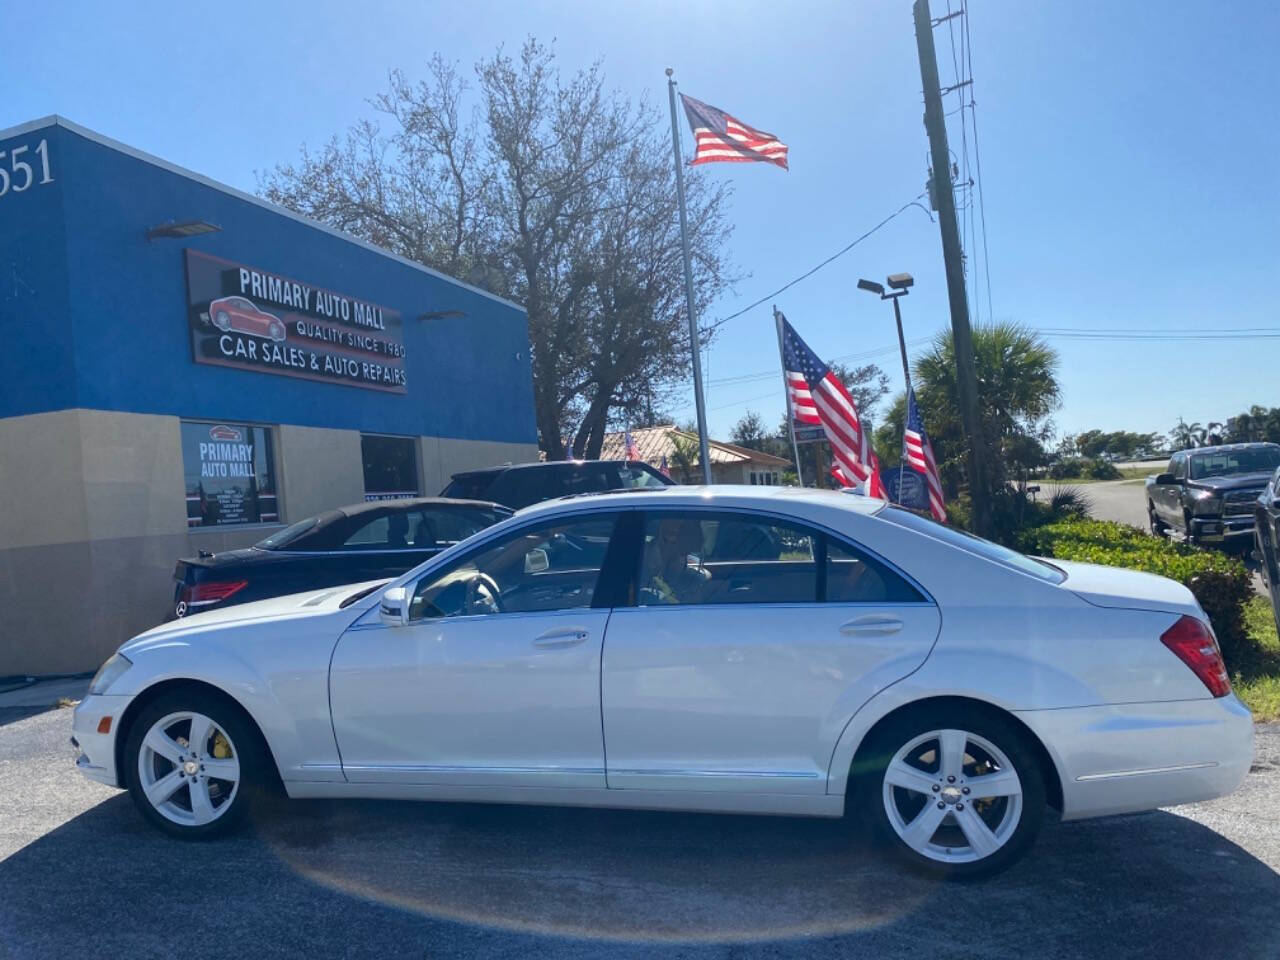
653 443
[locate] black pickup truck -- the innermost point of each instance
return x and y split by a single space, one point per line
1208 494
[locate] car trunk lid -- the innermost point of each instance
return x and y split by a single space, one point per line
1117 587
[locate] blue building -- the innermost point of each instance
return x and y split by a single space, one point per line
186 367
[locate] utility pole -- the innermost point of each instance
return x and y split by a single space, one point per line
966 377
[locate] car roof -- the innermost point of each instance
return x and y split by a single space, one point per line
537 465
726 495
410 503
1229 447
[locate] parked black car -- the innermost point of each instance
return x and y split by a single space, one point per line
366 541
518 485
1266 534
1208 493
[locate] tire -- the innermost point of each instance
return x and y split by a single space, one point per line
197 805
222 321
276 332
1158 526
927 816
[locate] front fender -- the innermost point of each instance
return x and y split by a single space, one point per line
284 687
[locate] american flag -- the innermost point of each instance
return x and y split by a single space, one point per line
875 486
632 453
721 138
825 400
664 468
918 452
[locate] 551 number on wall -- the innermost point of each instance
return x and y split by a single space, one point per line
17 172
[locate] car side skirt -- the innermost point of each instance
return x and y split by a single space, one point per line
806 805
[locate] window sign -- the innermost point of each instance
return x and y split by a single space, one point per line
241 316
390 467
230 474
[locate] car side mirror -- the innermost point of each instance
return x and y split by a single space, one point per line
1164 479
393 607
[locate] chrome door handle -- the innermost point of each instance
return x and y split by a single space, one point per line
871 626
566 637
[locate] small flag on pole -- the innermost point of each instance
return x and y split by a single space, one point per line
826 400
664 468
720 138
632 453
918 452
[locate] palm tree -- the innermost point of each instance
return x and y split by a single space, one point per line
684 456
1183 435
1018 391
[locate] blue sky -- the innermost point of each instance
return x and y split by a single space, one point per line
1129 155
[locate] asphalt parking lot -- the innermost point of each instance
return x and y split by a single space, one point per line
81 875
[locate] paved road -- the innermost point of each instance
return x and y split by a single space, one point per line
80 874
1124 501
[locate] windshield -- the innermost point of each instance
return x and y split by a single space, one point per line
282 538
470 486
1228 463
972 544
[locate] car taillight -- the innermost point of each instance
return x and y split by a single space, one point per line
200 595
1195 645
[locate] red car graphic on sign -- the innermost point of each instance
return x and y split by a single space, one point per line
242 316
223 432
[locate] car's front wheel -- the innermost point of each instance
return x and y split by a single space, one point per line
955 792
193 763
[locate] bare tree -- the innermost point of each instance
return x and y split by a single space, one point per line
553 191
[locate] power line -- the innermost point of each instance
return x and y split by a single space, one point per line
848 357
839 253
977 161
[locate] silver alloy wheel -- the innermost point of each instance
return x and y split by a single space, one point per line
182 772
952 796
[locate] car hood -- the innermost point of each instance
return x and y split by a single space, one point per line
313 603
1127 589
1234 482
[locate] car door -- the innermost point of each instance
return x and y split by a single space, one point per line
751 642
1173 492
495 680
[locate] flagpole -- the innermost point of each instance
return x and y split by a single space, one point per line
786 389
704 453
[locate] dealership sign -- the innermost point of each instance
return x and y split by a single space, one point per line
241 316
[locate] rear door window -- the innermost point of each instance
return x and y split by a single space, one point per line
696 557
855 577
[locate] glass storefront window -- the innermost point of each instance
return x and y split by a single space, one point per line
390 467
230 474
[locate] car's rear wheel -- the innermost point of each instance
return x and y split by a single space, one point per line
276 332
193 764
955 792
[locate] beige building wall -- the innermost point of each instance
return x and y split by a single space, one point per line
442 457
318 469
96 517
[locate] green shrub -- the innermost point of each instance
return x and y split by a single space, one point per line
1104 470
1065 502
1220 583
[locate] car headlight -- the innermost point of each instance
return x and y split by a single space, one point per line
109 673
1207 505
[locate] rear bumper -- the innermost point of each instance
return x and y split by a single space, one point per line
96 752
1130 757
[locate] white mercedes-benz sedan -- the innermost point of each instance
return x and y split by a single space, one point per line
736 649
